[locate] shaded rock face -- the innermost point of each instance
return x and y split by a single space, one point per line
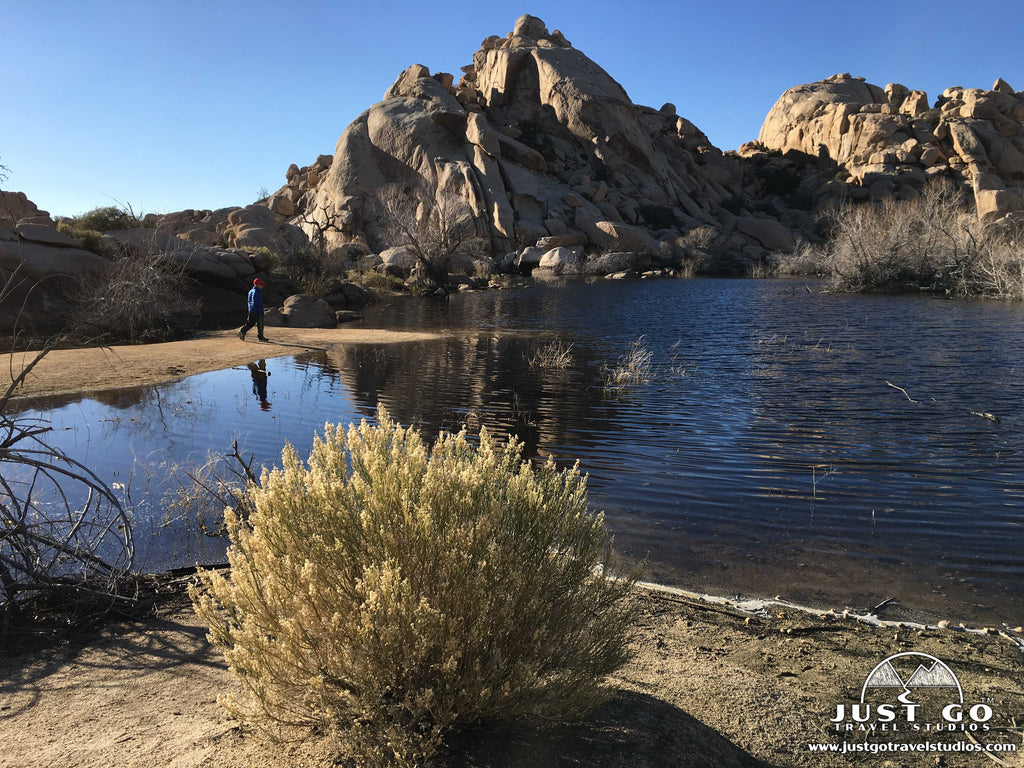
302 311
40 267
538 141
891 142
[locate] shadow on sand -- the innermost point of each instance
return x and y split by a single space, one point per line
631 730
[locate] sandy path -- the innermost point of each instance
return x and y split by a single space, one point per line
94 369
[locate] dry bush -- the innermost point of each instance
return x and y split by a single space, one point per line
434 225
933 243
141 299
806 259
391 593
65 538
555 354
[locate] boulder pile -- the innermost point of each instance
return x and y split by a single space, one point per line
891 141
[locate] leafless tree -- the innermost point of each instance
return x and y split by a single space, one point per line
63 532
433 226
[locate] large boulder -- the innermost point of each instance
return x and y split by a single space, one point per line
561 261
768 233
41 269
302 311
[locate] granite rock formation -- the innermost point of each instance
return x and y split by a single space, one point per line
539 142
890 141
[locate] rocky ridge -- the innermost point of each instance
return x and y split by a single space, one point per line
563 174
542 145
890 141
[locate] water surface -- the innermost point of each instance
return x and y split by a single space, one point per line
823 448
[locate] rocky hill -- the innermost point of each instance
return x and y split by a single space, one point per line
562 173
543 145
890 141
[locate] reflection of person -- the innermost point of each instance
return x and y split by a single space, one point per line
255 311
259 382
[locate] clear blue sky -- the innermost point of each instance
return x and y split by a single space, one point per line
168 105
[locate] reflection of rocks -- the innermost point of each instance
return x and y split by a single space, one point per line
484 375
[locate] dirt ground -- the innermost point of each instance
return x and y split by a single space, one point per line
710 685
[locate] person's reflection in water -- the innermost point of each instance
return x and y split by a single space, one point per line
259 382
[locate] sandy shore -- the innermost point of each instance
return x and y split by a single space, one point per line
707 688
710 686
95 369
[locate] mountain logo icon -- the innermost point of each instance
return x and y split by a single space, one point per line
930 672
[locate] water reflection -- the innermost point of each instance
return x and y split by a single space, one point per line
259 373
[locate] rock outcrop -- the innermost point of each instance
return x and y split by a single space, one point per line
890 141
539 142
40 267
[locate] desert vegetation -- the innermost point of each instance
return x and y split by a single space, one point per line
66 540
433 227
140 299
555 354
392 593
934 243
635 366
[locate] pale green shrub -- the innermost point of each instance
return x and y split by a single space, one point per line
389 593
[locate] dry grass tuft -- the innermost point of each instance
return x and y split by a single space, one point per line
634 367
556 354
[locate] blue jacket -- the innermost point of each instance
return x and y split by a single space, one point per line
256 300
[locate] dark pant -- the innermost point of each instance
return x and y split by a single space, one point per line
255 318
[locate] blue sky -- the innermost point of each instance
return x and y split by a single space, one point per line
172 105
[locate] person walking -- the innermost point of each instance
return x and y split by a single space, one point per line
255 311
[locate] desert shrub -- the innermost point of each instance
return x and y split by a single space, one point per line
374 281
140 299
806 259
933 243
107 218
391 593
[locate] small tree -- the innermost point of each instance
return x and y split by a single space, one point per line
433 226
395 593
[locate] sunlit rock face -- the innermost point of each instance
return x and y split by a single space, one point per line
890 141
538 141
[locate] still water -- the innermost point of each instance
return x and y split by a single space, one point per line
828 449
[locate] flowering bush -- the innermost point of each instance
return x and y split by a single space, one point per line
391 593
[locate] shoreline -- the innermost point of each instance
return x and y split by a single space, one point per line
108 368
715 681
707 686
